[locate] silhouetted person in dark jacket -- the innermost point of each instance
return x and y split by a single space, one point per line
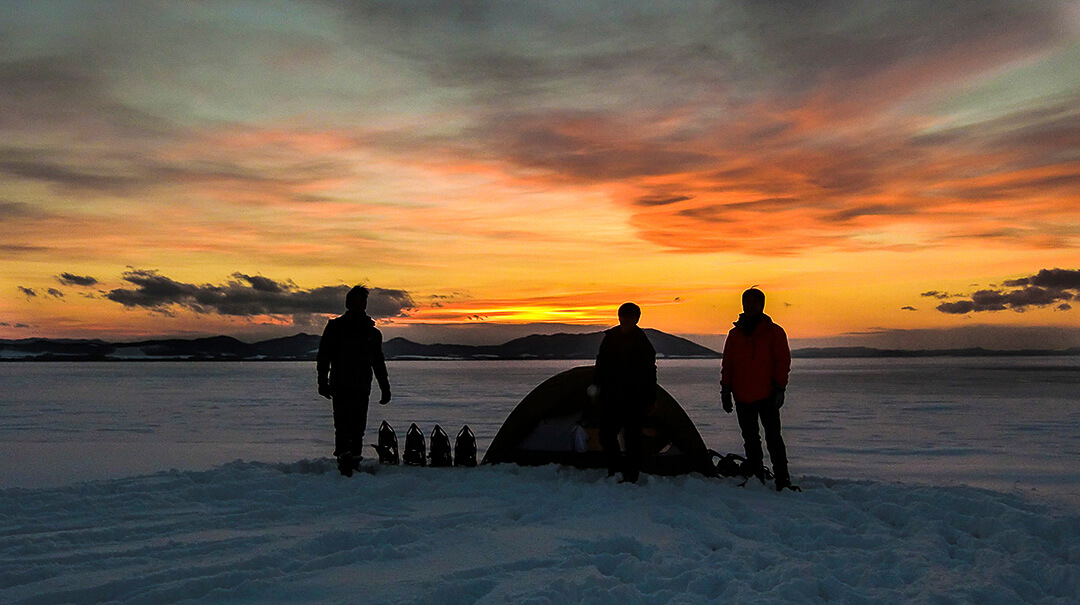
626 376
755 371
350 351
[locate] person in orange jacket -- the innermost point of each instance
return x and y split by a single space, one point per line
755 368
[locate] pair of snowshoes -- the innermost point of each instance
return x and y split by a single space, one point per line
416 454
440 455
734 465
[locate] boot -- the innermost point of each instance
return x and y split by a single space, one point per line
345 464
751 469
783 483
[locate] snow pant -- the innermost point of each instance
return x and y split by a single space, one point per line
766 410
350 419
629 419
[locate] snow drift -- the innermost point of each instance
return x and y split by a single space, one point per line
299 532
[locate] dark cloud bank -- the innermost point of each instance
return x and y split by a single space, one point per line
249 296
1045 288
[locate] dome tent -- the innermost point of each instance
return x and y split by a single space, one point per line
558 422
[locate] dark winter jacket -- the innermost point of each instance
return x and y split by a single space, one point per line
756 358
626 368
350 351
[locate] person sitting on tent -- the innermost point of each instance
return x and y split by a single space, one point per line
754 372
350 351
626 376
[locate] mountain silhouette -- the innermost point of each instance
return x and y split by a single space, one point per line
303 347
543 346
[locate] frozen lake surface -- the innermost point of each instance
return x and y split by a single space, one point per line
882 448
1010 424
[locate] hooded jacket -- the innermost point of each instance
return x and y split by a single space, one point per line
756 358
350 351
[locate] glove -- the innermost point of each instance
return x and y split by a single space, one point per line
725 399
778 396
385 399
324 390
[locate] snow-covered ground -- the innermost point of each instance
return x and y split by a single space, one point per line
266 533
894 456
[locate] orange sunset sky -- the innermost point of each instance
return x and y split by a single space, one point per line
908 171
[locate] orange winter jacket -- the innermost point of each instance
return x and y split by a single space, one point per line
756 357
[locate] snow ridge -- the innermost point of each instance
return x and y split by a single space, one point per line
298 532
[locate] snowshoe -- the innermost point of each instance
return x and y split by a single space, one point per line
729 465
415 447
388 445
750 471
465 447
440 448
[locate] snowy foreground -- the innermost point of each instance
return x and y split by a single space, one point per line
255 532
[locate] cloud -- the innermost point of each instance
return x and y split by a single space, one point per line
384 302
753 127
55 293
908 308
959 307
821 108
494 47
1058 279
15 210
587 146
1045 288
938 295
814 185
849 214
24 165
250 296
21 249
70 279
468 331
969 335
30 88
29 292
661 200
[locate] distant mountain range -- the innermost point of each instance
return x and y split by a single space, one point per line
303 347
